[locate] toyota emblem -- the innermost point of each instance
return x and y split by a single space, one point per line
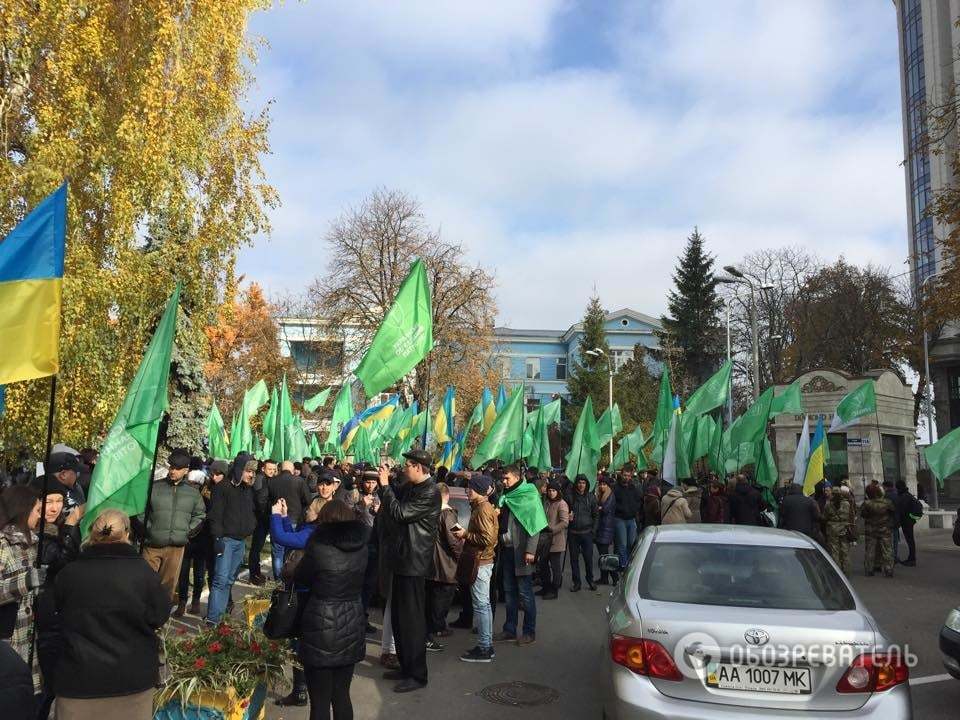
756 636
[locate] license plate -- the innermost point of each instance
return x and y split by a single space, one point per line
783 680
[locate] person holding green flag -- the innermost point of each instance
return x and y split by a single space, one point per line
521 520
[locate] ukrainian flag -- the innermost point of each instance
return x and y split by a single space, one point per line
366 418
501 397
443 422
818 450
489 410
31 288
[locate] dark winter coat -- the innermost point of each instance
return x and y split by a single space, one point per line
715 508
651 507
16 685
294 490
111 604
629 500
332 628
583 509
906 505
60 547
745 505
606 519
232 508
409 527
176 514
448 548
800 513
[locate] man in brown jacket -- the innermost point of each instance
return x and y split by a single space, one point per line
480 539
442 586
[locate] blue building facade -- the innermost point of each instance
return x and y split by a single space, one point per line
541 359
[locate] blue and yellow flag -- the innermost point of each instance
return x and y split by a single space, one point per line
31 288
501 397
443 422
489 410
816 461
366 418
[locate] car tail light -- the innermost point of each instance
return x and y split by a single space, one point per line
644 657
874 673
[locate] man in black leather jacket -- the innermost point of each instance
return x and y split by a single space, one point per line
409 517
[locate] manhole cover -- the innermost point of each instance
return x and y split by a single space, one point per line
519 694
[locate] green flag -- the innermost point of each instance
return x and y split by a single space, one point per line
539 455
342 412
269 425
507 432
943 456
789 403
405 336
686 433
241 439
751 426
631 445
854 406
285 428
361 449
585 450
663 418
621 457
255 398
315 450
712 394
524 502
706 432
317 401
121 478
765 470
609 425
217 434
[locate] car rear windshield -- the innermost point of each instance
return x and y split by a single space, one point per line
743 576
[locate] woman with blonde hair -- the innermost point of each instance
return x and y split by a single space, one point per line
111 604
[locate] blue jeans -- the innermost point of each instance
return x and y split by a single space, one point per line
276 554
624 537
482 615
224 572
518 590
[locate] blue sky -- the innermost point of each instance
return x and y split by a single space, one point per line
573 145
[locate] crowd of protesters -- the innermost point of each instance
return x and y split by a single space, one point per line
410 539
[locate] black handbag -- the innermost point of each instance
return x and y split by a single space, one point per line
283 617
8 619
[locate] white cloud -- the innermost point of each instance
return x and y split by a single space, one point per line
766 124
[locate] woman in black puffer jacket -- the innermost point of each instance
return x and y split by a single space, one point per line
332 637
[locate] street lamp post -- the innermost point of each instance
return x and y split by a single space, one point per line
927 390
739 278
599 352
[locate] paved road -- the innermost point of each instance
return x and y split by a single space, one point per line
565 658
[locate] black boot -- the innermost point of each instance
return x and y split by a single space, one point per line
297 696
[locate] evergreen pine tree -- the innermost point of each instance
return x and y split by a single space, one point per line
692 329
635 390
189 394
588 374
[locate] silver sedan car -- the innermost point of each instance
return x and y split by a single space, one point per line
735 622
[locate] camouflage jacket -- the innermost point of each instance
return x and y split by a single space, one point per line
836 515
877 514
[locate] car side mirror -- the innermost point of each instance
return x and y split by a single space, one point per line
610 563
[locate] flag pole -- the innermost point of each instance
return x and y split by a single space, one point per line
161 437
46 464
426 404
43 506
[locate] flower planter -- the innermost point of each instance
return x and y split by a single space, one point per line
255 611
215 706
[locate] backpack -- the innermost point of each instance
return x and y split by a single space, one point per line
916 510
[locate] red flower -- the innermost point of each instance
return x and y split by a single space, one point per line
214 647
181 631
255 648
224 630
200 663
273 646
245 704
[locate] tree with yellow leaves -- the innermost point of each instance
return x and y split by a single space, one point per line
138 105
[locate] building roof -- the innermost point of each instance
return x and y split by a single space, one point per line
565 335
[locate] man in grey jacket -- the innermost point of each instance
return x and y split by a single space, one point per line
518 558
